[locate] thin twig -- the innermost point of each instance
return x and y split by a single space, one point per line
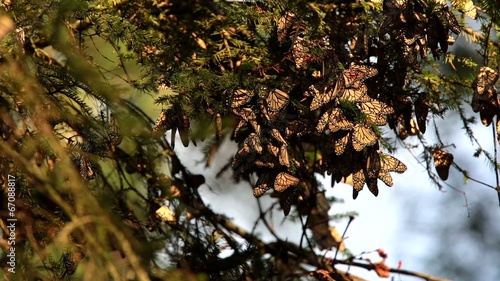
370 266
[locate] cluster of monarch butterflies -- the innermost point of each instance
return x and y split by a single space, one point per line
418 25
346 119
263 146
349 121
334 113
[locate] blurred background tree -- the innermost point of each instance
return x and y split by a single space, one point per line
89 89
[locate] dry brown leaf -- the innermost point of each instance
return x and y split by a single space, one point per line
382 269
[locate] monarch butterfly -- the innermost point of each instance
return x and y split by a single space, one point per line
328 94
410 56
114 134
375 111
338 121
421 112
238 127
283 181
373 165
240 97
442 162
385 177
356 74
249 116
355 94
284 23
263 184
323 121
297 128
164 122
252 143
277 100
335 119
300 53
363 136
358 181
283 156
274 150
286 199
243 160
341 142
389 163
266 160
86 169
372 185
485 81
277 136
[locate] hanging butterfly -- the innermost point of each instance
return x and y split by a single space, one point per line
297 127
372 185
164 122
263 184
86 168
252 143
355 94
284 180
357 74
277 136
363 136
340 141
283 156
358 181
484 83
375 111
373 165
442 162
286 200
388 164
266 160
276 101
410 57
240 97
323 121
338 121
243 160
321 98
248 116
421 111
485 97
274 150
335 119
300 53
285 22
114 134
